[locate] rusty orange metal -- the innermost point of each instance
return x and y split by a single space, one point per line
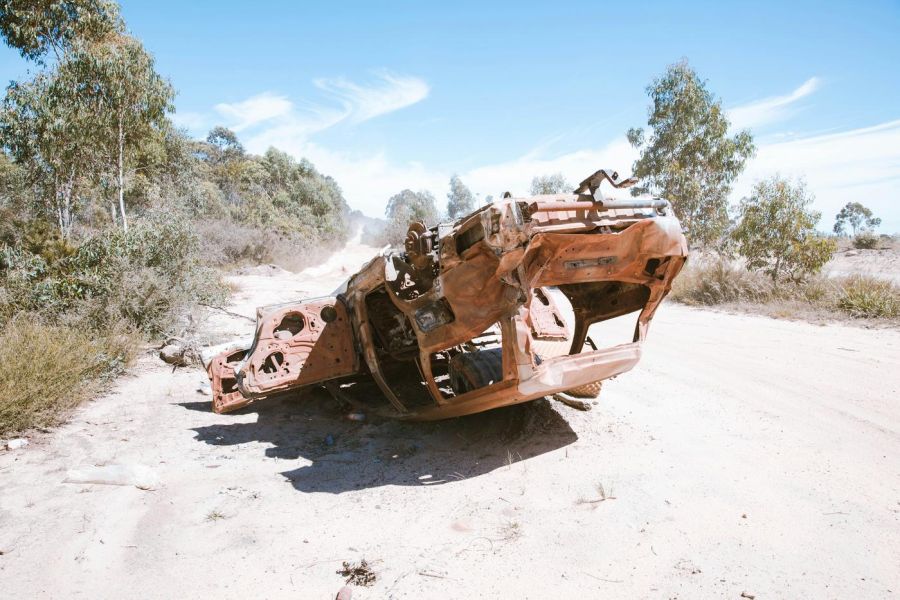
459 320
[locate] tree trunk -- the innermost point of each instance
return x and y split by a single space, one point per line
122 174
64 209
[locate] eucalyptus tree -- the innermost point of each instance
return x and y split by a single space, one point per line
857 216
38 27
408 207
776 231
46 129
128 100
550 184
687 156
460 200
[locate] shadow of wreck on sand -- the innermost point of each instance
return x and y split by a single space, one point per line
349 455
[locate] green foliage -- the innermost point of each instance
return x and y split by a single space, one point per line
776 232
44 127
863 296
12 183
857 216
126 100
225 145
78 128
145 277
405 208
87 131
460 200
36 27
866 240
689 157
550 184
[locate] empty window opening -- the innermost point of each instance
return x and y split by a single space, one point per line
290 325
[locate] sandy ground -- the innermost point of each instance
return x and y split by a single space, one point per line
883 263
744 454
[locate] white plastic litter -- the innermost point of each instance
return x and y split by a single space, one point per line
140 476
16 444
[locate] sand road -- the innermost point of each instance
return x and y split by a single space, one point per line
743 455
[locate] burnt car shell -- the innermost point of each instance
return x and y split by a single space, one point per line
474 291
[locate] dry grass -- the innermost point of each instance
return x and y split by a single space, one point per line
868 297
866 241
719 282
709 282
49 369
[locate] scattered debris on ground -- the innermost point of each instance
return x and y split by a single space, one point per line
601 491
174 354
572 402
16 444
140 476
358 574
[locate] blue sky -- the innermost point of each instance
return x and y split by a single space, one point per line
389 95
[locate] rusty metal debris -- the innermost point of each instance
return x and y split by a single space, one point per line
467 316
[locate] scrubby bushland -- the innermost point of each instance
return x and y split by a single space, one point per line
72 315
143 278
49 369
719 281
713 281
776 232
866 241
111 218
270 208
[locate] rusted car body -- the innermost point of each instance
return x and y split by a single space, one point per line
460 320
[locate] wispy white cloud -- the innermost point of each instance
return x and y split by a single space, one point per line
859 165
363 102
770 110
368 179
515 175
254 110
343 101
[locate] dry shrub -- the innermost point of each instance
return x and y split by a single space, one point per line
71 320
866 241
49 369
717 280
865 296
148 277
714 280
227 245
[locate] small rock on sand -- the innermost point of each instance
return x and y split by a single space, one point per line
173 354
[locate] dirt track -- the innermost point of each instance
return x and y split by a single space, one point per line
744 454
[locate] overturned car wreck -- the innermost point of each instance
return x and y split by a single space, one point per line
468 316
